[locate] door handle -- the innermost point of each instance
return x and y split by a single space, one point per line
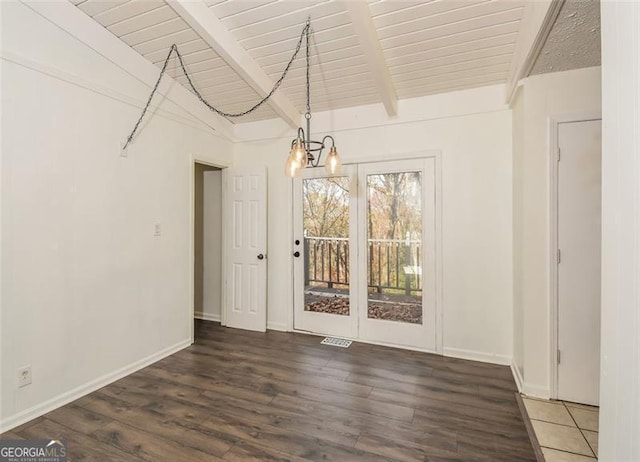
296 254
260 257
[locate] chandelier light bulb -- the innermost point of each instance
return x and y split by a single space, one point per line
332 164
292 166
299 153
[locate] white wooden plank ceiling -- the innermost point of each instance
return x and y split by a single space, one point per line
429 46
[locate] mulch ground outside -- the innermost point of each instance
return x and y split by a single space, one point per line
390 307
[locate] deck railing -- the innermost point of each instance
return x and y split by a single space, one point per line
393 264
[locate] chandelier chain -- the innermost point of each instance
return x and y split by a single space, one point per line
146 106
276 85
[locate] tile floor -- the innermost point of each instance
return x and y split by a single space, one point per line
567 432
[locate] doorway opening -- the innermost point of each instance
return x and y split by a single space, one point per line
207 238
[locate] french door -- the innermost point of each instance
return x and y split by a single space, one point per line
364 253
325 230
397 253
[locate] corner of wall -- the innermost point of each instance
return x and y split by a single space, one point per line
535 391
517 375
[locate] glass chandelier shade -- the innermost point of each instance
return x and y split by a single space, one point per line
332 163
298 158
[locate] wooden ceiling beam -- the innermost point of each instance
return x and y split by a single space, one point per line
369 42
212 31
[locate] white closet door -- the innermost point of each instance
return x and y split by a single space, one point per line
579 242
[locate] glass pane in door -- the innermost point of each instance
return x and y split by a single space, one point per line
394 247
326 245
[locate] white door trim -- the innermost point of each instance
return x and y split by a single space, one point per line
554 122
193 160
436 154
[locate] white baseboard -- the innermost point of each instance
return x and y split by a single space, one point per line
472 355
78 392
535 391
517 377
281 326
207 317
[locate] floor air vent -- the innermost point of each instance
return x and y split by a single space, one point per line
334 341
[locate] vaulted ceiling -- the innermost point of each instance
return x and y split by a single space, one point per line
361 53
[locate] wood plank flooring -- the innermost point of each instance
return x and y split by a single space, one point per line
240 396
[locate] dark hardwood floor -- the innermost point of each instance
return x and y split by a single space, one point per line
237 395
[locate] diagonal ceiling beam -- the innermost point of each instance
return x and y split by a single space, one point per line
537 20
212 31
368 37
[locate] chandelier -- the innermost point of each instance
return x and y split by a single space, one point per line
305 151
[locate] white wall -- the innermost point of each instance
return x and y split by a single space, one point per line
543 96
88 292
472 129
212 246
620 340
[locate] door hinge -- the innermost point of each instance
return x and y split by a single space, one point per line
559 257
558 356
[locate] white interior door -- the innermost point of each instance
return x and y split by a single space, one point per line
324 253
246 210
579 230
397 253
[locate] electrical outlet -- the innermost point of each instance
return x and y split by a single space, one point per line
24 376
